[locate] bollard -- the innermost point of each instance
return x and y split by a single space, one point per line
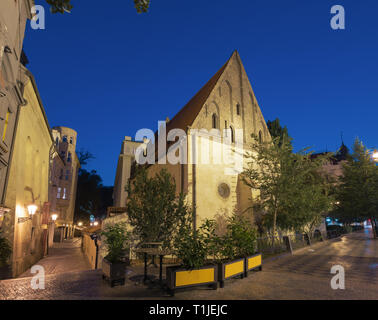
289 247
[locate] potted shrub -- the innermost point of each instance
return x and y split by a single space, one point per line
238 243
116 239
191 248
5 253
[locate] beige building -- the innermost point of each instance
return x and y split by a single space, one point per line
28 183
212 185
62 188
13 18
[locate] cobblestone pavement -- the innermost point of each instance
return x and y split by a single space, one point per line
63 257
305 275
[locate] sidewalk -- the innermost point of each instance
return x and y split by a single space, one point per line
63 257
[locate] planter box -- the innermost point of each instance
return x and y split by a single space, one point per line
253 262
5 272
182 278
232 269
114 272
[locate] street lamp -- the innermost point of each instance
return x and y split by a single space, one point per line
80 224
54 217
375 156
32 209
95 223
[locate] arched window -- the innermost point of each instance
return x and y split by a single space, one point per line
232 134
64 138
71 140
69 157
238 109
260 137
215 121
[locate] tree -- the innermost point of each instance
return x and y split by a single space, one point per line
92 197
357 193
292 191
276 131
63 6
154 209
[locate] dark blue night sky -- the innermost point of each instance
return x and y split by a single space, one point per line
107 71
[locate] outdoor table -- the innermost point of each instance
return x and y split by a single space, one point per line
153 252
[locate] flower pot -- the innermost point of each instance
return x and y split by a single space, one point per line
114 272
230 269
253 262
178 277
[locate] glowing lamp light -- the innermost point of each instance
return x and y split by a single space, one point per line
32 209
95 223
375 155
54 217
80 224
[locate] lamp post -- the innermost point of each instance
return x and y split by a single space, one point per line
375 155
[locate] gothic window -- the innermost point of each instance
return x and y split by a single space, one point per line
232 134
64 138
64 194
58 193
67 174
215 121
238 109
71 140
69 158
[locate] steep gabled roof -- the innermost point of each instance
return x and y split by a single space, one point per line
186 116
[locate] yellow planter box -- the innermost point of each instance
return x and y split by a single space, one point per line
232 269
182 278
253 262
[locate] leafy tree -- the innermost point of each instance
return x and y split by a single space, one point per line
88 195
154 209
277 131
63 6
292 191
357 194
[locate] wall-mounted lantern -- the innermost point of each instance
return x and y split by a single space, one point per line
54 217
32 209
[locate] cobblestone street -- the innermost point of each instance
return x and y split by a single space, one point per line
305 275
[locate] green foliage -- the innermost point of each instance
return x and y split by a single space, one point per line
293 191
357 194
5 251
190 246
276 131
62 6
154 209
116 239
142 5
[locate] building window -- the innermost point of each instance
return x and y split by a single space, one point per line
64 138
69 158
238 109
232 134
64 194
215 121
6 125
57 141
63 154
260 137
58 193
61 174
67 174
71 140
